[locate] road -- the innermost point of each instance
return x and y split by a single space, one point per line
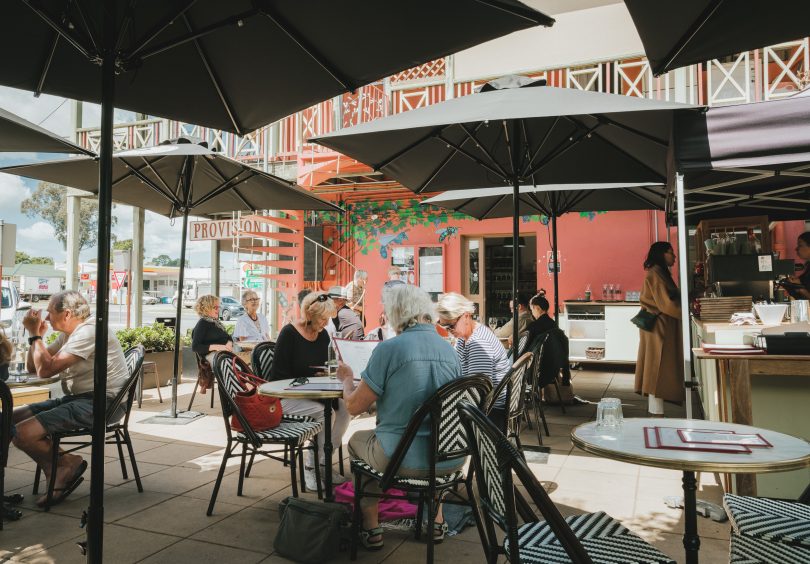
118 314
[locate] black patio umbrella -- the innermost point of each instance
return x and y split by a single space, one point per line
197 61
18 135
177 179
517 132
552 201
748 159
677 33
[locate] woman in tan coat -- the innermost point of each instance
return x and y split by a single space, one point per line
659 373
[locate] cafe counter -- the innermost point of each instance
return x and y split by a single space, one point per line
768 391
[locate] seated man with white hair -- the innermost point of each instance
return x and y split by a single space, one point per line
72 355
401 375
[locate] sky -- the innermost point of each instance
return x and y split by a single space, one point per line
35 236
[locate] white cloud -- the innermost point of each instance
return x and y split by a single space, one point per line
12 192
38 231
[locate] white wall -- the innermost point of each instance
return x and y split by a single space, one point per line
583 36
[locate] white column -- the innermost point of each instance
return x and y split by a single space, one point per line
215 267
138 220
74 206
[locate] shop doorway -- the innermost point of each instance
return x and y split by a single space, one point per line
487 273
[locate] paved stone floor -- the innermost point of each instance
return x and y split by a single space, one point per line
178 464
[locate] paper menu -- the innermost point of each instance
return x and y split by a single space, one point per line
707 436
356 354
668 438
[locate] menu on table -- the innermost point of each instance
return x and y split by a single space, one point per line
703 440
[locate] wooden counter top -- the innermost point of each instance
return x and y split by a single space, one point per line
700 354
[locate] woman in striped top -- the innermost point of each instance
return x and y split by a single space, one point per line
479 350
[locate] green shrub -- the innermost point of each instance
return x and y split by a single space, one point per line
154 338
51 337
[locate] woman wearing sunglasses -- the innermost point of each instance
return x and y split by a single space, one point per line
303 346
479 350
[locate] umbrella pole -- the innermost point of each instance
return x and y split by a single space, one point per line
556 261
95 512
515 147
177 349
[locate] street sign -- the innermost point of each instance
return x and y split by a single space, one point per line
118 278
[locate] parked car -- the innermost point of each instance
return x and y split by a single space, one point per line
12 309
229 307
150 298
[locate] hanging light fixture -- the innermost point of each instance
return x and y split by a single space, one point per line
507 242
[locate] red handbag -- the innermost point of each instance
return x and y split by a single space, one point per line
261 412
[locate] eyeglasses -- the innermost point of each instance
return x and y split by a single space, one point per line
322 298
299 381
451 326
254 300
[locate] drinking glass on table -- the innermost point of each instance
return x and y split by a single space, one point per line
609 413
493 323
605 296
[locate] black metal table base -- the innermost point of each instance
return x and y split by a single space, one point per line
327 450
691 540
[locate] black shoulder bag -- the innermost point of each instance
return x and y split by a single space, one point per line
645 320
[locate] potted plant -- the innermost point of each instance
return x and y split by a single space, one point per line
159 344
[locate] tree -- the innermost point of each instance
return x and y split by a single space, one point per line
49 202
166 260
24 258
123 245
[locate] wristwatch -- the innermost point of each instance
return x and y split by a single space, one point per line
34 338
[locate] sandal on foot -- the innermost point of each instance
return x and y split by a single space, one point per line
365 538
439 531
69 488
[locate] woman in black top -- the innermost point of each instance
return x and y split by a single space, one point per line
802 289
209 335
302 349
542 322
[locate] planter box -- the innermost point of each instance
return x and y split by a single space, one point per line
165 366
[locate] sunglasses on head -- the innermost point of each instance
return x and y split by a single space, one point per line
322 298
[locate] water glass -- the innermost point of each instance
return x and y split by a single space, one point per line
609 413
493 323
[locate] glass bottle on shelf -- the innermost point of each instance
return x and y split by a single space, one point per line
587 292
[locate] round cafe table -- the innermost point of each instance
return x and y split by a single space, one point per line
626 444
32 380
284 389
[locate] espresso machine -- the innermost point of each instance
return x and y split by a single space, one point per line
746 275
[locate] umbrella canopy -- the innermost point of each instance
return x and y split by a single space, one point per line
18 135
746 160
153 179
180 178
677 33
552 200
517 131
165 51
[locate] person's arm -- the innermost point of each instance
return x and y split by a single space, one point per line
242 330
663 301
504 331
282 367
46 365
357 399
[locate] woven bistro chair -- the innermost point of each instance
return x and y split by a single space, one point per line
448 443
117 428
292 434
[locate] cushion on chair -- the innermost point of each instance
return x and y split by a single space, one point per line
769 519
406 483
751 550
289 430
605 539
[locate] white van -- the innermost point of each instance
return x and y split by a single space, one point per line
12 309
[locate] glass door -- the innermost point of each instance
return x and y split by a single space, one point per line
473 267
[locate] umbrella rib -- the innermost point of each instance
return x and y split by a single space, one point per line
158 29
541 207
159 177
244 201
432 133
633 130
563 147
87 26
224 187
214 79
688 36
474 139
540 146
498 200
83 49
522 14
308 48
197 34
146 180
459 149
47 66
640 197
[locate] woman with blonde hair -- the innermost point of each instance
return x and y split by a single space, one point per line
207 338
301 348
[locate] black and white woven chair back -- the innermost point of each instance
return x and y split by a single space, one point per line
262 359
538 349
223 362
134 358
486 449
452 442
517 383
